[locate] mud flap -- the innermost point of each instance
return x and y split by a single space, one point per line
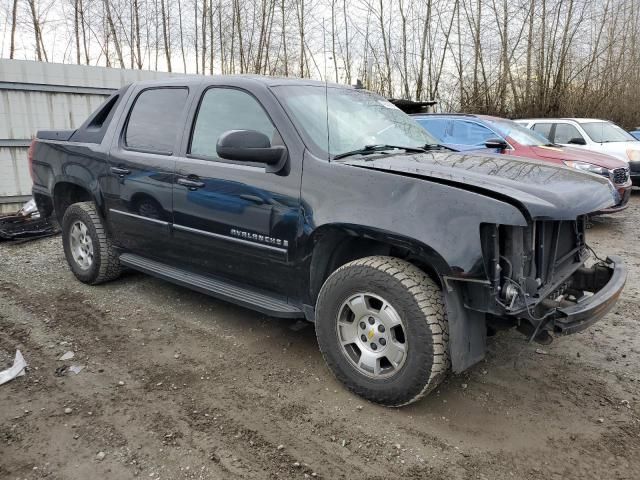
467 332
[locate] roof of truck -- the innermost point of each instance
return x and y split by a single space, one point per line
231 79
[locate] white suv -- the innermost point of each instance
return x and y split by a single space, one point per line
591 134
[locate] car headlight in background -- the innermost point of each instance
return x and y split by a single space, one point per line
587 167
634 155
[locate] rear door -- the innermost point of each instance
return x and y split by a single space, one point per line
237 220
142 166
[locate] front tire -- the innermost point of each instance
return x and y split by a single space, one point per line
382 329
87 246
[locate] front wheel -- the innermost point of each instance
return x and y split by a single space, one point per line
87 245
382 329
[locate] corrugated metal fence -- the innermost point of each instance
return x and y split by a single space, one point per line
42 96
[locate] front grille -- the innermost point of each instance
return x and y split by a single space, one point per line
620 175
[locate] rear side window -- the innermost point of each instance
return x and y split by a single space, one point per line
224 109
543 129
155 120
565 133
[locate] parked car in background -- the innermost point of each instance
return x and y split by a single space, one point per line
635 133
466 132
591 134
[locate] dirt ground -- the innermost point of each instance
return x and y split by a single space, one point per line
177 385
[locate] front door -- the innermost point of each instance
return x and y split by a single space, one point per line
142 166
237 220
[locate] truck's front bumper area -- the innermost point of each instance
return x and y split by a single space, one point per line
605 282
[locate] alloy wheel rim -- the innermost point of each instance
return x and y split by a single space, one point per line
81 245
372 335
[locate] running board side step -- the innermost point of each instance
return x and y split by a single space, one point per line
215 287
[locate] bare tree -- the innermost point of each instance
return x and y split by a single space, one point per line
14 20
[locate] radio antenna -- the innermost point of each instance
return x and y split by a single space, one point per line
326 86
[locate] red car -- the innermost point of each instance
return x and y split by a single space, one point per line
481 132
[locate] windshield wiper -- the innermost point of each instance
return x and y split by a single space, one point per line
438 146
369 149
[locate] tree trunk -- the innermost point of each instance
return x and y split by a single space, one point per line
14 14
204 36
36 28
165 37
136 19
112 28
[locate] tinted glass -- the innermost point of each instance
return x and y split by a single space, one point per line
154 121
354 118
517 132
469 133
565 132
606 132
435 126
457 131
224 109
543 129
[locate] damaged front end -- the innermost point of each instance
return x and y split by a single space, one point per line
538 280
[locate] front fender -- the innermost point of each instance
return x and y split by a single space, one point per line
441 220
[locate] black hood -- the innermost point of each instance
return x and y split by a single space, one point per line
544 190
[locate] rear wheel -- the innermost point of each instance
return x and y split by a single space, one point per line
382 329
87 246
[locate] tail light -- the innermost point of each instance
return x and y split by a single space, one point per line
30 156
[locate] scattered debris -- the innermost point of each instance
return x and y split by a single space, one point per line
26 224
120 383
464 386
280 447
67 356
61 371
100 456
76 369
68 410
601 420
540 351
16 370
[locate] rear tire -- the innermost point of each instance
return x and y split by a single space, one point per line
382 329
87 246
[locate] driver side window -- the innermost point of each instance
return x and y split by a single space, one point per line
565 133
224 109
470 133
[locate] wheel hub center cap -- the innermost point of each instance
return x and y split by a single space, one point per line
373 334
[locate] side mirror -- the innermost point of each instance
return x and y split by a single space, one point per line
249 146
497 143
577 141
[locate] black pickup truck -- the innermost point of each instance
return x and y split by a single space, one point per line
325 202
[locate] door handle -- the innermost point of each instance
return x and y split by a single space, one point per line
252 198
191 184
120 171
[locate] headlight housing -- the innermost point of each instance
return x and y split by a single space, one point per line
587 167
633 155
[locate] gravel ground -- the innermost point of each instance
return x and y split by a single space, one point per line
177 385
